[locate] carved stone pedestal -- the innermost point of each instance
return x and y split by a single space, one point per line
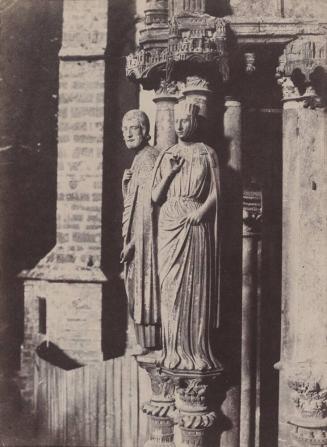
161 431
161 408
197 404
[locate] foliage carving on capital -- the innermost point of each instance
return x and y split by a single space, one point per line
309 397
196 82
308 420
162 403
192 404
167 88
302 70
306 53
288 88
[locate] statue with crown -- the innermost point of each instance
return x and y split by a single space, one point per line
186 188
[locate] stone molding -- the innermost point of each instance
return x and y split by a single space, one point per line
58 266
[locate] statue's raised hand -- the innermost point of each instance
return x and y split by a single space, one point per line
176 163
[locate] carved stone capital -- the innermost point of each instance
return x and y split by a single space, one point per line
308 383
167 90
197 406
302 71
306 53
161 409
289 90
309 388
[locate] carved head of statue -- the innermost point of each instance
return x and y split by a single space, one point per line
186 120
135 128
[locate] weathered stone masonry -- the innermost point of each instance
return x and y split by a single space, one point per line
69 279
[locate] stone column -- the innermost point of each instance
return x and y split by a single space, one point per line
233 132
197 409
303 365
232 255
251 234
160 410
63 293
165 100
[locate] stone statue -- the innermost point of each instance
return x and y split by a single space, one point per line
186 186
138 254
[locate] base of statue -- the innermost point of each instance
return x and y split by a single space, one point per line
161 407
197 399
196 374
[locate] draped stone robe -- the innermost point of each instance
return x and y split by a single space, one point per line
188 259
140 274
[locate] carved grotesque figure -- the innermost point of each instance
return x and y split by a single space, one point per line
186 186
140 273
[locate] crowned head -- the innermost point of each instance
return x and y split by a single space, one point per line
186 120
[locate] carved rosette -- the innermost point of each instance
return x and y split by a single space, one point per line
309 396
302 71
161 408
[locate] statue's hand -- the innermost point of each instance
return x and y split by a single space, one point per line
194 218
176 163
127 176
127 253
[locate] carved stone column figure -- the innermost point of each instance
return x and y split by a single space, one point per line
252 213
186 187
303 366
138 255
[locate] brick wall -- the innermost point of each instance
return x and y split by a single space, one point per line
80 146
69 278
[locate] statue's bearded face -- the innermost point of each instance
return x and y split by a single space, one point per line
183 127
133 134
